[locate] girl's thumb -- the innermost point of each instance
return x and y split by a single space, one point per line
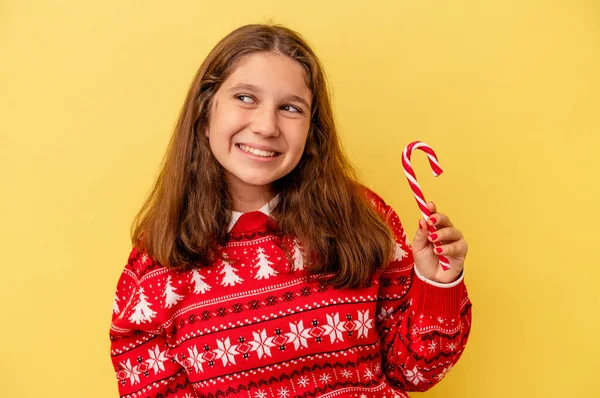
420 240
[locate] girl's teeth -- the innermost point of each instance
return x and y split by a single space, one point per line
257 152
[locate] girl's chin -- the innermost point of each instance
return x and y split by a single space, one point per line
258 183
254 181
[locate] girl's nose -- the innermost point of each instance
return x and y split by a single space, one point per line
264 122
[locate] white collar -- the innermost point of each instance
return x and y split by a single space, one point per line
266 209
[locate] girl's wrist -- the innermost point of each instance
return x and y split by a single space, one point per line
450 278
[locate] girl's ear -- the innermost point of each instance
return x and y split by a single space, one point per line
206 133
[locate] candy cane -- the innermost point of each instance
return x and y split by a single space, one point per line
412 180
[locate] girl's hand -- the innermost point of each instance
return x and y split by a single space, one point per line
454 247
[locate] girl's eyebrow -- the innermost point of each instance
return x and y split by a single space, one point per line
253 88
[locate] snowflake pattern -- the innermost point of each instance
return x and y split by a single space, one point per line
384 312
346 373
377 368
195 359
334 328
414 330
432 346
262 344
298 335
444 372
131 372
260 394
325 378
414 376
363 323
226 352
157 359
303 381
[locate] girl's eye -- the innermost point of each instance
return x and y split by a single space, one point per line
292 109
245 98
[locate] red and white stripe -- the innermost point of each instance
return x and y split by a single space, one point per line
416 188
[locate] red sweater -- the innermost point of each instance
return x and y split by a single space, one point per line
256 328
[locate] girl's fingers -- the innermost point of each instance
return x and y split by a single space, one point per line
439 220
432 207
455 249
448 234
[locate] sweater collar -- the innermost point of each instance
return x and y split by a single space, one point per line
266 209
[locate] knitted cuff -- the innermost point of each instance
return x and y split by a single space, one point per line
437 298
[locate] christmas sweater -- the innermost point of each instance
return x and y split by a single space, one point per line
253 325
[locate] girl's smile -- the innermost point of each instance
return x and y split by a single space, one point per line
258 152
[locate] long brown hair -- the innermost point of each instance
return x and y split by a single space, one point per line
185 218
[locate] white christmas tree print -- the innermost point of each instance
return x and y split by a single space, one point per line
142 311
230 278
406 241
200 286
400 253
264 266
298 259
116 309
171 298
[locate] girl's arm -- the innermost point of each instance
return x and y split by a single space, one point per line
139 350
423 325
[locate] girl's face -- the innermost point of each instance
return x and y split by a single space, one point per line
259 121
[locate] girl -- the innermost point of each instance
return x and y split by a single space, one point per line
260 266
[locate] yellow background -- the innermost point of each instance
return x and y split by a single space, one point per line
506 92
